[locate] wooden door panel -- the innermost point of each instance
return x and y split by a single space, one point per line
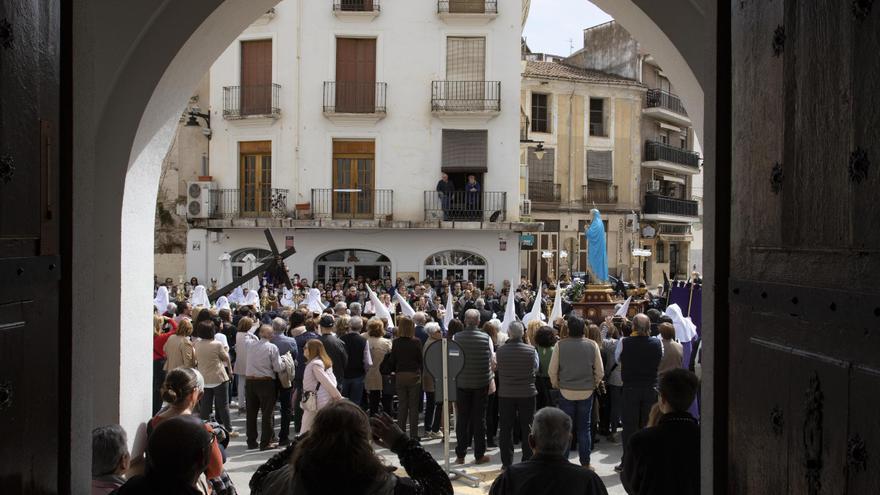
863 439
355 75
256 77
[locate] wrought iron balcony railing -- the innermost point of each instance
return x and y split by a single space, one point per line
600 193
483 206
656 151
251 101
249 202
466 96
349 204
354 97
674 229
661 205
544 192
467 6
598 130
657 98
356 6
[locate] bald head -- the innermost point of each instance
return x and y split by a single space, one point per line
642 324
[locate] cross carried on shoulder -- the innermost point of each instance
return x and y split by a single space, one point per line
274 266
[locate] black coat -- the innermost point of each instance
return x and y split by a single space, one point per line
547 474
664 458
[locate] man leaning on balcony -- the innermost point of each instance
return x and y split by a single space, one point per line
445 189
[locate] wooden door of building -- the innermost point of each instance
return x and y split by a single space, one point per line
256 77
35 423
255 178
804 329
353 179
355 75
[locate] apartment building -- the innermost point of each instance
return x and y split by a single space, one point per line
670 164
332 124
580 149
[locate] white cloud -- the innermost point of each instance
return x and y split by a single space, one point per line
555 26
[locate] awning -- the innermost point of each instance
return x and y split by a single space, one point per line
664 125
672 178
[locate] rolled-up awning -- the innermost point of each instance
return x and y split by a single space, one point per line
465 151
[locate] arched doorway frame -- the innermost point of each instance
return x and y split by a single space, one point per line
147 58
385 266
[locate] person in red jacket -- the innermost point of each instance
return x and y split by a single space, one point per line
163 327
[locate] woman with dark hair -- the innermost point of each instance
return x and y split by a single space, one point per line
405 361
455 326
336 457
545 339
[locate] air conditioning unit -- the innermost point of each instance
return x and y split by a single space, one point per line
199 200
653 185
525 208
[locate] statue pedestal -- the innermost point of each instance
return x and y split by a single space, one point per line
599 302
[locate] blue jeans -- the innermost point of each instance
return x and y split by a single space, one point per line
353 389
580 412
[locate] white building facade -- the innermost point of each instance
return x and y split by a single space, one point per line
332 121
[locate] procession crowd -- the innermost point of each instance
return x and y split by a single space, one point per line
340 361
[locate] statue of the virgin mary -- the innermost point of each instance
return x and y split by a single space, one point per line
597 253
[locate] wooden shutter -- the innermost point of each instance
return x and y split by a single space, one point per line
256 77
599 166
465 59
355 75
465 151
467 6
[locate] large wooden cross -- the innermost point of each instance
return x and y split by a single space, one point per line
275 266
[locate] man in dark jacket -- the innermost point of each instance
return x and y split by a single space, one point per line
472 389
666 457
419 319
485 314
335 348
445 189
548 472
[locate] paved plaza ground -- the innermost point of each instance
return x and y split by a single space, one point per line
242 463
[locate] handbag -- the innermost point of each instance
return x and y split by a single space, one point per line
309 401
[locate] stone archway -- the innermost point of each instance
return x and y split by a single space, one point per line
136 65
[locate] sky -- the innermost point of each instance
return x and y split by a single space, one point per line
554 26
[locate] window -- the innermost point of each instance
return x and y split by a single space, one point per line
597 117
455 266
355 75
600 166
683 139
255 177
353 179
540 114
465 59
541 173
465 151
256 77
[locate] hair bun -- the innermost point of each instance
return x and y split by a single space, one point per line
169 395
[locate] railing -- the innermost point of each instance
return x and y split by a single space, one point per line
467 6
545 192
466 96
656 151
657 98
661 205
485 206
257 201
597 129
354 97
346 204
356 6
246 101
674 229
599 192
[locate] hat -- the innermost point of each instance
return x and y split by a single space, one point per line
327 321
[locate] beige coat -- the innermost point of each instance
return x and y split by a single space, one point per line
672 356
213 360
179 353
379 347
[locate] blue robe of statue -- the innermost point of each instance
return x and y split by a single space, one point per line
597 253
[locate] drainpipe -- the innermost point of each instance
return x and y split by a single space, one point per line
299 38
570 147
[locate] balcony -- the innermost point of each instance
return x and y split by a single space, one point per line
462 206
666 106
598 130
352 204
252 202
354 10
248 102
663 208
599 193
544 192
466 98
666 157
674 229
352 101
479 11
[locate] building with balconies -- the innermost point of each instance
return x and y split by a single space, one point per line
335 123
670 162
580 148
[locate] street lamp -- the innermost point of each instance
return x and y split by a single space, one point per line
539 151
193 122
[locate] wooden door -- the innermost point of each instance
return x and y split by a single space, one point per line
256 77
35 428
353 179
355 75
804 343
255 196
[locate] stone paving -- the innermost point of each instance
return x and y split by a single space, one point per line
242 463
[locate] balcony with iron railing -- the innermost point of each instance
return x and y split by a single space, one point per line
666 106
662 206
597 129
466 97
463 206
674 229
658 154
352 204
251 101
484 7
599 193
353 99
544 192
250 202
344 6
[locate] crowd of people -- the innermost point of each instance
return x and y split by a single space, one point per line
339 367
